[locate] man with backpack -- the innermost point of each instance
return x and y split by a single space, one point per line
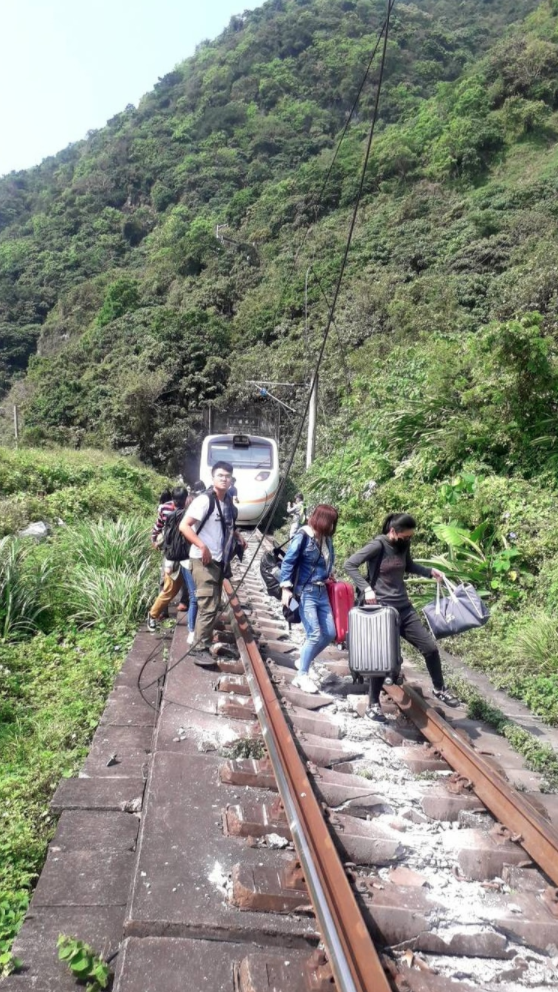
168 520
209 526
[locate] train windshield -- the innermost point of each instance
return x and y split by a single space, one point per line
258 454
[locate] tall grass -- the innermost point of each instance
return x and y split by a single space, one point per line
109 596
535 645
107 573
23 583
90 573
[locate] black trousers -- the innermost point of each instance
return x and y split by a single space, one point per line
413 630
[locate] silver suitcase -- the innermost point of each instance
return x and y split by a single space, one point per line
374 646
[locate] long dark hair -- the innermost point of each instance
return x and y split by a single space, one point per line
399 522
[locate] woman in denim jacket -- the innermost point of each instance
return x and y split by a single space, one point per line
306 566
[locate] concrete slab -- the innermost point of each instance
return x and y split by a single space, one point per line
121 794
35 945
126 707
146 650
118 751
313 723
84 830
166 965
84 878
185 861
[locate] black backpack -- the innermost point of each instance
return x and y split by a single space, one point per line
270 571
175 545
270 568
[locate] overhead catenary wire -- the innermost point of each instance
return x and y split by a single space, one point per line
329 323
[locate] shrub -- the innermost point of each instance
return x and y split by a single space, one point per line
21 589
106 572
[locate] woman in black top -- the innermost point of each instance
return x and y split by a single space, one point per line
388 559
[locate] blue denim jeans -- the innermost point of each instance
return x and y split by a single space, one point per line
318 623
191 587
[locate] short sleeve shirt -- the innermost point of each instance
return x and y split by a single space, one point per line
212 533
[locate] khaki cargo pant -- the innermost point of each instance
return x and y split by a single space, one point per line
170 589
209 584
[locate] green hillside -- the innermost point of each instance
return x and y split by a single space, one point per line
108 258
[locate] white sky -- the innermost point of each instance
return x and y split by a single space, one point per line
68 66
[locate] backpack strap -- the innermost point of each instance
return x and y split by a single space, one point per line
212 498
213 502
373 567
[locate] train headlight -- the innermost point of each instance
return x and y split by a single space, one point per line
262 476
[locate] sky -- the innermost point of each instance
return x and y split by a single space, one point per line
67 66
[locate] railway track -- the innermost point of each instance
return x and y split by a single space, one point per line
228 833
380 922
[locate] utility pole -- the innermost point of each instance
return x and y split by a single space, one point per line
16 426
312 418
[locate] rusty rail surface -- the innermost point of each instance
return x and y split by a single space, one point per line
508 805
354 960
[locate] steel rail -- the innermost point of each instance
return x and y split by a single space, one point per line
508 805
354 960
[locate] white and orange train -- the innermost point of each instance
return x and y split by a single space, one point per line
255 462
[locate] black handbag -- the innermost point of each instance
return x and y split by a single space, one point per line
460 610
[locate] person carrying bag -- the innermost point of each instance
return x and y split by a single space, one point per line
388 560
306 566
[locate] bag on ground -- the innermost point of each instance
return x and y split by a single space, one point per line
374 643
460 610
341 597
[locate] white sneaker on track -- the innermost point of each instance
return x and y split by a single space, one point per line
304 683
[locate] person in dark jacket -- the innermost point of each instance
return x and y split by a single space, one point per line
388 559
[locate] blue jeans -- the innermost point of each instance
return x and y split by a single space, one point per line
191 587
318 623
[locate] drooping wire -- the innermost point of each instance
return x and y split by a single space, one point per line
329 324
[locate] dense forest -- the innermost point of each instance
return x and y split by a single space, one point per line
123 315
110 270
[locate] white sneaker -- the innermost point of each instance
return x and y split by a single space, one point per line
304 683
297 664
191 637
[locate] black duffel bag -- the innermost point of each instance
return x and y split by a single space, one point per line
460 610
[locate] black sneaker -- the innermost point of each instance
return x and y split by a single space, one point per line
200 656
375 713
152 625
445 696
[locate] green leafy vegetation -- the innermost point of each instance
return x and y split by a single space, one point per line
70 486
85 965
109 254
68 609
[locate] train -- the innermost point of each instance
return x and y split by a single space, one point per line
255 462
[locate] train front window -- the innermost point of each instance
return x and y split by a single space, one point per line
257 455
